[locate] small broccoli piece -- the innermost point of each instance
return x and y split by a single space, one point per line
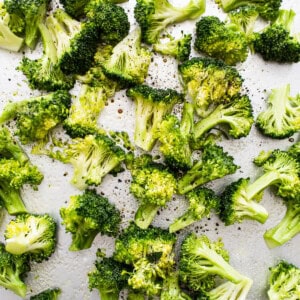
108 277
237 115
13 270
209 82
276 43
49 294
31 234
267 9
262 157
8 39
44 73
154 16
282 117
129 61
284 281
151 106
220 40
86 216
153 186
179 48
201 201
213 164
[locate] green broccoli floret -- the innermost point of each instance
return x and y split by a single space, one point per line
154 16
220 40
213 164
209 82
31 234
153 186
49 294
36 116
134 295
284 281
237 115
267 9
33 12
151 106
179 48
86 216
201 201
282 117
276 42
8 39
44 73
294 150
129 61
13 270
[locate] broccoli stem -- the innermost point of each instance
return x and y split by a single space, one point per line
109 295
145 214
187 120
12 200
82 239
229 5
11 110
48 45
12 281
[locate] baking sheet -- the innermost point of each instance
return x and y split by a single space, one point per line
248 252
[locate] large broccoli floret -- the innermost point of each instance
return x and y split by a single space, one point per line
201 201
13 270
36 116
209 82
276 43
86 216
154 16
284 281
213 164
151 106
153 186
49 294
282 117
221 40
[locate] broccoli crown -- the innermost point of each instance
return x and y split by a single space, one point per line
13 270
49 294
32 234
282 117
74 8
151 106
284 281
220 40
213 164
154 16
294 150
179 48
86 216
209 82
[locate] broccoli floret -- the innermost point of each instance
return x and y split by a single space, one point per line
154 16
36 116
129 61
151 106
134 295
108 278
237 115
284 281
267 9
282 117
49 294
209 82
13 270
153 186
44 73
201 201
8 39
276 43
179 48
294 150
221 40
33 13
31 234
213 164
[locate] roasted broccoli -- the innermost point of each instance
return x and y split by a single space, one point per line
49 294
282 117
154 16
214 163
221 40
276 42
209 82
201 201
86 216
151 106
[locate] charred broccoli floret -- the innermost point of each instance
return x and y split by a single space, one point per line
49 294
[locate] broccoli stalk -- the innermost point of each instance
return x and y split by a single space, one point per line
49 294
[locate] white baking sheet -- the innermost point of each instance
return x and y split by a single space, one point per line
248 252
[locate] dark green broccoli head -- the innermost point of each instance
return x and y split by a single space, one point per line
49 294
15 23
74 8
